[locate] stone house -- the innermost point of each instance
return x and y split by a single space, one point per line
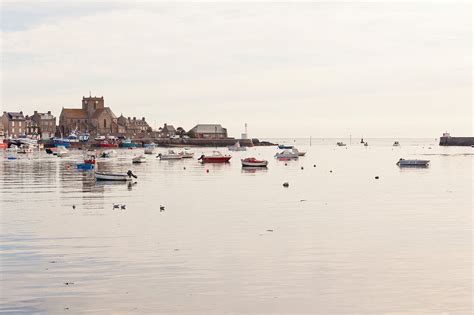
13 124
208 131
167 131
133 126
46 123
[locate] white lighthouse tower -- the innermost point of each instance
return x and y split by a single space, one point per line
244 135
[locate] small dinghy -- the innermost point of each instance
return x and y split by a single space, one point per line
285 147
236 147
413 163
85 166
139 159
396 144
253 162
149 149
216 157
115 176
341 144
286 154
171 155
61 151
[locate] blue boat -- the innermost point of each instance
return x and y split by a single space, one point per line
62 142
85 166
285 147
127 143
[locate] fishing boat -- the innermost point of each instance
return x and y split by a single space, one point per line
127 143
413 163
300 153
61 142
285 147
396 144
253 162
106 144
366 144
186 154
139 159
216 157
89 157
341 144
286 154
171 155
236 147
85 166
115 176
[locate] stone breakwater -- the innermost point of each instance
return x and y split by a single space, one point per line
456 141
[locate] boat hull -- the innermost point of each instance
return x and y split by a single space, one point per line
254 163
212 159
413 163
108 145
112 177
285 147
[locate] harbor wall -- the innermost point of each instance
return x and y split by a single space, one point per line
456 141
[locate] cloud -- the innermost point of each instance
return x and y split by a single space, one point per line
307 66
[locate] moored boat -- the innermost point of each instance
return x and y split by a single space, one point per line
106 144
253 162
186 154
149 150
396 144
139 159
341 144
127 143
107 154
89 157
285 147
115 176
216 157
413 163
286 154
85 166
171 155
61 151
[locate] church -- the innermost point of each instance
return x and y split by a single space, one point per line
95 119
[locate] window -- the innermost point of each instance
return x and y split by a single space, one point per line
13 124
105 123
19 124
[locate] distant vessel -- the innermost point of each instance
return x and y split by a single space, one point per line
408 163
171 155
127 143
139 159
396 144
253 162
341 144
285 147
216 157
286 154
300 153
114 176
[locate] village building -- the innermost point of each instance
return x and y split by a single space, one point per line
31 128
46 123
13 124
208 131
168 131
97 119
133 126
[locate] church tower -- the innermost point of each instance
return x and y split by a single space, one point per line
91 104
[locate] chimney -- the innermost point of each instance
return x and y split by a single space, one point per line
49 112
143 118
21 112
134 118
36 112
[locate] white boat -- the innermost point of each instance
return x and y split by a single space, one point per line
171 155
24 149
139 159
149 150
253 162
236 147
300 153
186 154
115 176
396 144
341 144
61 151
403 162
286 154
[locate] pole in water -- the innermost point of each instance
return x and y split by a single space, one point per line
309 140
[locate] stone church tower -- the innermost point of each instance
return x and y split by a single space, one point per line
91 104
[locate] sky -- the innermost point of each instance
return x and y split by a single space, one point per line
287 69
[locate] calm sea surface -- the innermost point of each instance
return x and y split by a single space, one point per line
236 241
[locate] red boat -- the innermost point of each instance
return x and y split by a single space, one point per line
216 157
3 145
105 144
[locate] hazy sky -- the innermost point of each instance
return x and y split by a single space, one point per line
378 69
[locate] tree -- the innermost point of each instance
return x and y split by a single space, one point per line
180 131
